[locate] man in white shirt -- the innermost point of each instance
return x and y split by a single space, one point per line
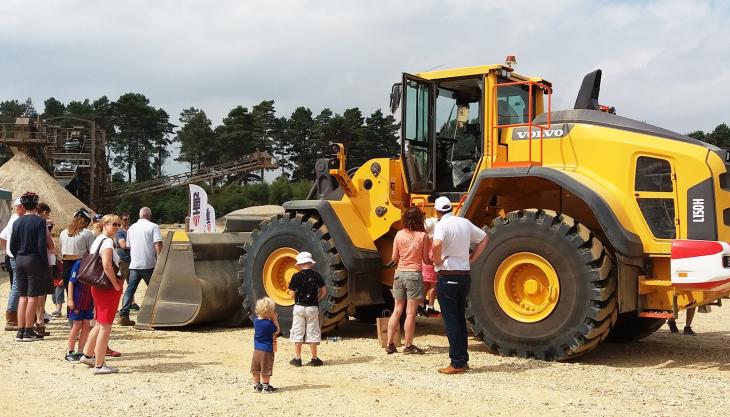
452 238
144 241
11 313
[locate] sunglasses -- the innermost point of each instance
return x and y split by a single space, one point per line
125 219
115 224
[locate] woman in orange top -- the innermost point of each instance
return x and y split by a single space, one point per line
410 250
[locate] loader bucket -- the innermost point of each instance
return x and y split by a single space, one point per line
195 281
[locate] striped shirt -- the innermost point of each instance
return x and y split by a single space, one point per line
82 292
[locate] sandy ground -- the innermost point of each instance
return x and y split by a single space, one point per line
204 371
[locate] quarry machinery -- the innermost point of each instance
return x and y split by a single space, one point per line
600 226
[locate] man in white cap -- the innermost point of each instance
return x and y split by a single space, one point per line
11 313
307 288
452 238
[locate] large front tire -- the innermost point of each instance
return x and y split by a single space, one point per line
268 264
545 287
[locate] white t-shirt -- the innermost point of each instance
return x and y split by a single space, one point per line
78 244
141 239
456 235
106 243
7 232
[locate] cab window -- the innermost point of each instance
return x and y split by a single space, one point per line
653 174
417 135
654 189
512 104
458 132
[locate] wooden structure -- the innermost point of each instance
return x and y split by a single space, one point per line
71 149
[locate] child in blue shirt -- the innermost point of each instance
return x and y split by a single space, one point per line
266 327
80 312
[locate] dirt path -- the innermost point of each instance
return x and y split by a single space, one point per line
204 371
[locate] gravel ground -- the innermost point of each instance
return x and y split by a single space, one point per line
204 371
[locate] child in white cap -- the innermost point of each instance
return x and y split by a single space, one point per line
307 288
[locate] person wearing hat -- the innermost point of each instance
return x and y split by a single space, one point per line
30 246
452 237
307 288
11 313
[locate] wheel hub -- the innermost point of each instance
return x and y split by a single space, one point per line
526 287
279 268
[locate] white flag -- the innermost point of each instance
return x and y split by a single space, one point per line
198 205
210 219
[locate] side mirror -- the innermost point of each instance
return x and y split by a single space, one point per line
395 95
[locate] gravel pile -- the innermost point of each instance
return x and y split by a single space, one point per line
21 174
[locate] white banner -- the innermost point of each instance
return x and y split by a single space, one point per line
210 219
198 205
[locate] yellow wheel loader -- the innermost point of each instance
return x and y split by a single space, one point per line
599 226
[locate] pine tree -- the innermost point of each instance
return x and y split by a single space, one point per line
139 137
10 110
80 109
379 137
300 133
720 137
53 108
197 139
30 110
235 136
265 125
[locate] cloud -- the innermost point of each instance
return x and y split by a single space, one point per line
665 62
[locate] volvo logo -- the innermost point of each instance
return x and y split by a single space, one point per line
552 133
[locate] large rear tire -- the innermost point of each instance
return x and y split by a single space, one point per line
630 328
545 287
268 264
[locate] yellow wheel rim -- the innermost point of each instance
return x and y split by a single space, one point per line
279 267
527 287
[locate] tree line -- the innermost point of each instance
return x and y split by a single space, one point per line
720 136
139 135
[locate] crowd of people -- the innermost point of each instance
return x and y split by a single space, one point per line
38 268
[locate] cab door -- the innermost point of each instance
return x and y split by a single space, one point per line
655 190
417 133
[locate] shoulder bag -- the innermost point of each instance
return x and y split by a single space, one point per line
91 271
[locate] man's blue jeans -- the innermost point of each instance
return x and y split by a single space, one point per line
452 291
135 276
14 296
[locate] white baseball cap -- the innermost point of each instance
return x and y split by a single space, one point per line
17 202
442 204
305 258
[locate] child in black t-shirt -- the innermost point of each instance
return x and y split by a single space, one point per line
307 287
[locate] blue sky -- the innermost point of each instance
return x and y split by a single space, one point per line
664 62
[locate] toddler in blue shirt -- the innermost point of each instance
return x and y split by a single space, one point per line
266 327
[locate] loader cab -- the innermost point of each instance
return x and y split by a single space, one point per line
442 132
458 121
